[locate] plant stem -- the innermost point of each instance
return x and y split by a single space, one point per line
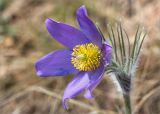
127 103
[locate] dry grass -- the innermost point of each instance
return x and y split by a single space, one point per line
24 39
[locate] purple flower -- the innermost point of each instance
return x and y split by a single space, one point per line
86 56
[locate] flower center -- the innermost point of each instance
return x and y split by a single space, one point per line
86 57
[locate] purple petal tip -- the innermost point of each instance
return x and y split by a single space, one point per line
83 6
48 21
39 73
65 104
88 95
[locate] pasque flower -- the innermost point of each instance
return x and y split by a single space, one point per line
86 56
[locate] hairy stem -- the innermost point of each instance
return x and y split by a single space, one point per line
127 104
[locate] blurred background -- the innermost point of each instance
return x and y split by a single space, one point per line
24 39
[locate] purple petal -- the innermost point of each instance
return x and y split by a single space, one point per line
96 78
56 63
75 87
84 80
65 34
88 27
107 53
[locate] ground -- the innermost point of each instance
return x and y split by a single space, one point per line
24 39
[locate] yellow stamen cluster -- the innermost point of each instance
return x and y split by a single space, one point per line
86 57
